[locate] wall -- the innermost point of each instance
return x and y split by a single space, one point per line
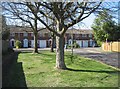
111 46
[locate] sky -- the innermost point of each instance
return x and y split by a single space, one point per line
86 23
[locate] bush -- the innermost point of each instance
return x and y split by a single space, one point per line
18 44
75 45
99 43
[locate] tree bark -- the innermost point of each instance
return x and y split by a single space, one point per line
35 43
60 64
52 43
35 36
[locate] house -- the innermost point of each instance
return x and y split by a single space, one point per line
83 37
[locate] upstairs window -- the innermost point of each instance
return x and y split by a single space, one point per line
12 34
25 34
77 35
84 35
90 35
42 35
32 34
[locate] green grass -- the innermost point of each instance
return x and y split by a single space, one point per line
38 70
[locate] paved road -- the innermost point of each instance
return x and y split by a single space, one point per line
110 58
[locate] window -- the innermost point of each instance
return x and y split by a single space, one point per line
84 35
19 35
77 35
42 35
25 34
90 35
32 34
12 34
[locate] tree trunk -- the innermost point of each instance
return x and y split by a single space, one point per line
35 36
52 43
60 64
35 43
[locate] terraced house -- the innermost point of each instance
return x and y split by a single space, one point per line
83 37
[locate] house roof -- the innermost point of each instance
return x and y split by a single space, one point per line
80 31
18 29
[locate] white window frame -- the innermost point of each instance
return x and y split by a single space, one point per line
32 34
12 34
90 35
25 34
77 35
84 35
42 34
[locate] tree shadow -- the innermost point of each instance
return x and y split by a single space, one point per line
12 72
97 71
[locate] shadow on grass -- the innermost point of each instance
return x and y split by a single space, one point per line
13 74
98 71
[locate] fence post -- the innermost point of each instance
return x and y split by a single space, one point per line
111 46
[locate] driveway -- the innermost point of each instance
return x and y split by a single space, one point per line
110 58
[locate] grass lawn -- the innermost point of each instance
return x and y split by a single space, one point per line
37 70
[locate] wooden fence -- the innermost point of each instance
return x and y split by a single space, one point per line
111 46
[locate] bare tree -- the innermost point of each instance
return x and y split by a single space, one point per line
66 15
20 11
5 31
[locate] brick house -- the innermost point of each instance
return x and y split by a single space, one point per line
83 37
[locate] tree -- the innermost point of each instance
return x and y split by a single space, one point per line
21 12
5 31
66 14
105 28
52 42
52 35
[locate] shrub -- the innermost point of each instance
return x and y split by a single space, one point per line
75 45
18 44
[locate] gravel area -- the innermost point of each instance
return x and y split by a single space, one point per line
110 58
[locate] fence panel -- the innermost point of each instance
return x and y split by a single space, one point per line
111 46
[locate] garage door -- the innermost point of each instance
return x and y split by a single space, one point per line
85 43
79 43
91 42
42 43
32 43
